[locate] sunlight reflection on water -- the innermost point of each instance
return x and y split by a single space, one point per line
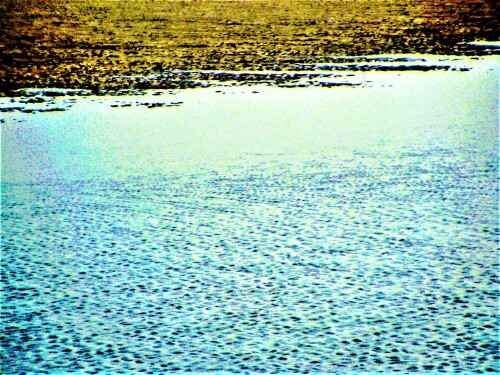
320 230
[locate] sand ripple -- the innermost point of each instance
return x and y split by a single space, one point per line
383 262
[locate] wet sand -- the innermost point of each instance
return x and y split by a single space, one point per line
81 44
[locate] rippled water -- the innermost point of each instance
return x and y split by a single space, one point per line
321 230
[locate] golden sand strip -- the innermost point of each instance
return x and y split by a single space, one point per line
48 43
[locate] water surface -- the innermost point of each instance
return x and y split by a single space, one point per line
256 229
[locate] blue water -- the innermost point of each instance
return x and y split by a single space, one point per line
340 230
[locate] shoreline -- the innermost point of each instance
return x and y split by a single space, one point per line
338 71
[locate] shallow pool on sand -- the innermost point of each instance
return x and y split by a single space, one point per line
256 229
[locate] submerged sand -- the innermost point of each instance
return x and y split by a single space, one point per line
255 229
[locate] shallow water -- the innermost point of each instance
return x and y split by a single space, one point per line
321 230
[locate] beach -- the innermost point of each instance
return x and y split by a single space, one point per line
249 186
83 44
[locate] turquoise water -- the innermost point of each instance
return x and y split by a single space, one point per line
286 231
